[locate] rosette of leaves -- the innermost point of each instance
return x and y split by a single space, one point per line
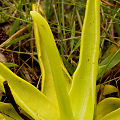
62 97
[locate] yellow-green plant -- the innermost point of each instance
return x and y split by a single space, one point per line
62 97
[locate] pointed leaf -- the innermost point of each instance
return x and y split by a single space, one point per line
29 98
53 60
84 79
48 87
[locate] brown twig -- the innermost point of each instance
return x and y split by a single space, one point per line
110 4
18 33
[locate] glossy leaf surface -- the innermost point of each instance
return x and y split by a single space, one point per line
108 108
53 60
48 87
29 98
82 93
115 115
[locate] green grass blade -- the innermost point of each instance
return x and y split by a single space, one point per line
16 40
10 64
54 60
28 97
14 27
72 35
108 63
84 79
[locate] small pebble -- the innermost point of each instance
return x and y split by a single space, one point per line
2 58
